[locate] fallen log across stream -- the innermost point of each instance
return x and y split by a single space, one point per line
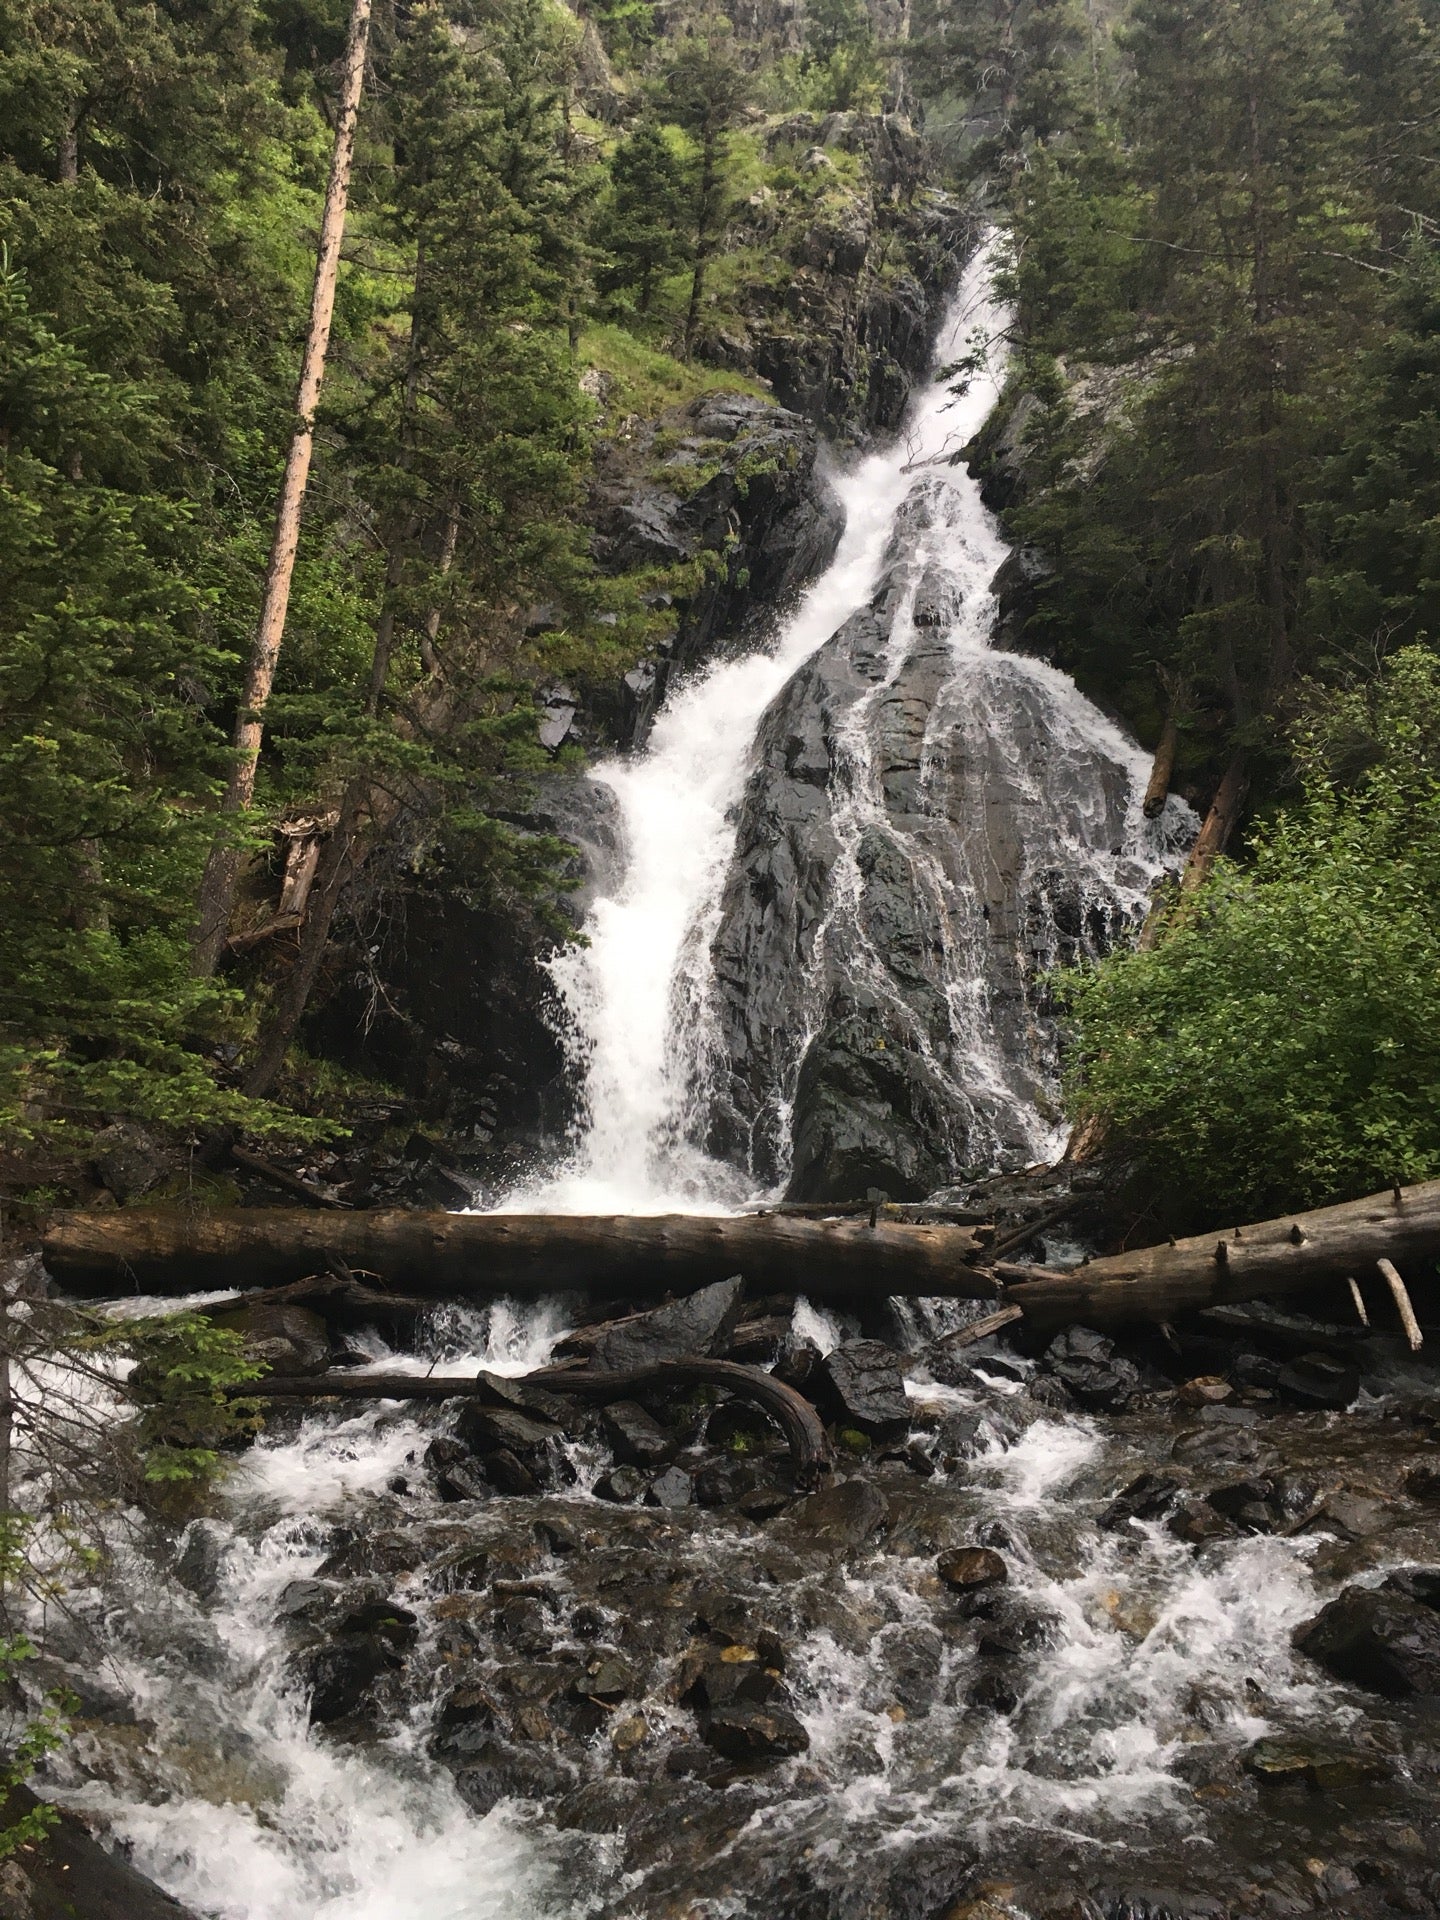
479 1255
798 1420
1287 1255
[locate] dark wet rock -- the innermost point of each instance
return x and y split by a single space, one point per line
1218 1449
716 1674
201 1558
967 1569
1206 1390
521 1396
495 1768
638 1438
129 1160
607 1678
840 1519
1376 1639
458 1474
341 1674
1423 1483
907 1663
507 1473
1196 1522
1014 1627
1247 1502
483 1429
1321 1763
861 1385
757 1343
1088 1365
673 1489
1417 1583
1045 1390
755 1736
763 1503
1356 1516
1319 1380
995 1691
71 1876
286 1340
797 1365
702 1323
621 1484
377 1614
305 1600
1255 1370
912 1878
1148 1497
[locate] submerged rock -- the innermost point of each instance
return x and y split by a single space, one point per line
755 1735
1100 1379
968 1569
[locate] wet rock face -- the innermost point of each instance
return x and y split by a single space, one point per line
1382 1639
701 1323
930 828
743 483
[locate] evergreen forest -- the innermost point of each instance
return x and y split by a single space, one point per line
1216 453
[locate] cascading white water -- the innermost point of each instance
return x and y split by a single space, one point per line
640 1022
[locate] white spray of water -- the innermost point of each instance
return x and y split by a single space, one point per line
676 802
642 1019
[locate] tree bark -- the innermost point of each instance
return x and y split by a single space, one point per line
217 886
1276 1256
1162 771
1220 823
798 1420
469 1255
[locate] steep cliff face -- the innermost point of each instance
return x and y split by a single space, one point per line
726 493
732 482
931 827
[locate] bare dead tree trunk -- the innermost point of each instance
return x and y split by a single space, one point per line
1162 770
1287 1255
217 887
477 1255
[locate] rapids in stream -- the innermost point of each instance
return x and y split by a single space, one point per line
368 1688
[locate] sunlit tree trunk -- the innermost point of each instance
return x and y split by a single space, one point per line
217 887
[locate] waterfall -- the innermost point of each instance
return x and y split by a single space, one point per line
655 1048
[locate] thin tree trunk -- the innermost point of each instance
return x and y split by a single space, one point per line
1220 823
708 163
429 659
1163 769
67 156
217 887
345 852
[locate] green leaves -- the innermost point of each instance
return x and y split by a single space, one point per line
1281 1046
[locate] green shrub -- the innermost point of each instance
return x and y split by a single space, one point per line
1281 1045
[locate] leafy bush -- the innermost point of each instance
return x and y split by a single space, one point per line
1282 1044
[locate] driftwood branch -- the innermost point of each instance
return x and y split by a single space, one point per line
798 1420
479 1255
1276 1256
1401 1296
287 1182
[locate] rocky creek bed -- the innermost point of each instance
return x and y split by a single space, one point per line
1094 1630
